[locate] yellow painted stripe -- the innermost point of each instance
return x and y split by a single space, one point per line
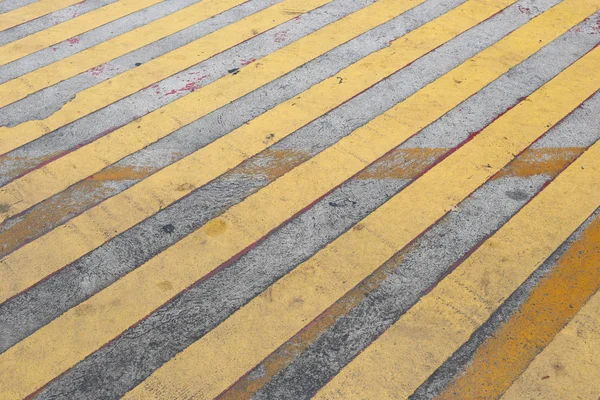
60 174
270 367
569 367
68 29
131 81
227 89
433 329
35 10
100 223
548 308
65 341
218 359
66 68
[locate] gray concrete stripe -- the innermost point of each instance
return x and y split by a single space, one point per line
327 129
45 102
91 38
215 125
187 140
9 5
463 356
55 18
142 349
155 96
417 268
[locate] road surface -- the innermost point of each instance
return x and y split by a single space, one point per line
287 199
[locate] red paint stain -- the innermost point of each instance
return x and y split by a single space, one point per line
73 41
102 69
97 70
76 13
248 61
590 30
596 28
524 10
195 82
281 36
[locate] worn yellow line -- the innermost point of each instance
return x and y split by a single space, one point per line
68 339
68 29
270 367
60 174
66 68
131 81
99 224
562 293
423 338
569 367
35 10
218 359
56 176
179 179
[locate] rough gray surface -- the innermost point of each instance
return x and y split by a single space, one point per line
134 357
130 358
459 360
130 249
88 39
46 21
154 97
8 5
122 254
203 131
423 264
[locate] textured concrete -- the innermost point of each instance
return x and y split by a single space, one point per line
125 362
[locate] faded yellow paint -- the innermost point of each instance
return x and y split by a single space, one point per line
272 163
549 161
99 224
523 166
32 11
49 213
433 329
59 174
403 163
249 384
269 164
549 307
70 28
68 67
270 319
68 339
96 97
568 368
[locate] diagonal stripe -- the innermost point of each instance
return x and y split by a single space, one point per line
127 83
66 68
94 227
551 305
65 341
90 159
71 28
261 326
399 164
568 368
72 285
281 368
32 11
407 353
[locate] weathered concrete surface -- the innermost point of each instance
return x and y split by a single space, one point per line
301 365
